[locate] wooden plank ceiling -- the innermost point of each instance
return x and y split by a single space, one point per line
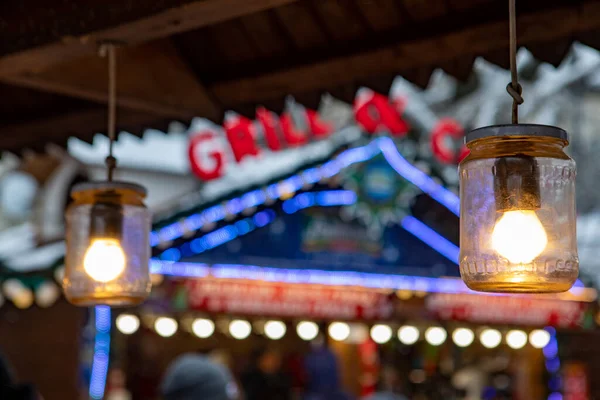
186 58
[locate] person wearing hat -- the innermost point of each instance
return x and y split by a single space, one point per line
196 377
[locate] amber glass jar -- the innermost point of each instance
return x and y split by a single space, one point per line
518 218
108 248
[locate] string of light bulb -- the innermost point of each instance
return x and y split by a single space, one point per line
380 333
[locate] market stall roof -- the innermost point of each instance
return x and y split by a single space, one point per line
187 58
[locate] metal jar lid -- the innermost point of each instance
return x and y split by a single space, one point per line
108 185
517 130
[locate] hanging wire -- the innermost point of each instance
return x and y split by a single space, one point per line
109 50
514 89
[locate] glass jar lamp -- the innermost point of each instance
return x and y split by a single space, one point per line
108 248
517 221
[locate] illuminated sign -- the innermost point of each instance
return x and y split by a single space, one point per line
210 148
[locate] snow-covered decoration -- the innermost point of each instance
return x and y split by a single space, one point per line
36 258
155 151
34 193
18 190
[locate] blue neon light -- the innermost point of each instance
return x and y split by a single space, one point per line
254 198
312 175
213 239
553 364
180 269
274 191
418 177
101 353
431 238
220 236
234 206
172 254
327 198
243 227
299 202
261 219
335 278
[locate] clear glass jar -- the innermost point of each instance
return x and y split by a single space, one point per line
108 248
518 216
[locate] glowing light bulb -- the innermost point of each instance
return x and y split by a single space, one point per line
519 236
463 337
203 328
128 324
490 338
516 339
240 329
307 330
339 331
539 338
165 327
381 333
408 335
435 335
275 330
104 260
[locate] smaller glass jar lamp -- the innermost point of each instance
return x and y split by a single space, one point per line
517 225
108 247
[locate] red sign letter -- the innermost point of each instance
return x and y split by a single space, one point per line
377 114
269 124
239 134
196 156
294 137
447 128
319 129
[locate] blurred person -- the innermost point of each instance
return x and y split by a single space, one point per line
322 373
388 386
266 380
196 377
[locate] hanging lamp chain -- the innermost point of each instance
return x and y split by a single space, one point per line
108 49
514 89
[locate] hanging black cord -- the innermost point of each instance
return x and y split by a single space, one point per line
514 89
109 49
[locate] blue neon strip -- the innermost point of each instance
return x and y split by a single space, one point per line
431 238
221 236
305 200
327 198
258 197
307 276
553 364
331 278
418 177
101 353
191 270
312 175
254 198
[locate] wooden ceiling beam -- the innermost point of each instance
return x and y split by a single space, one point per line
533 27
151 78
186 16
